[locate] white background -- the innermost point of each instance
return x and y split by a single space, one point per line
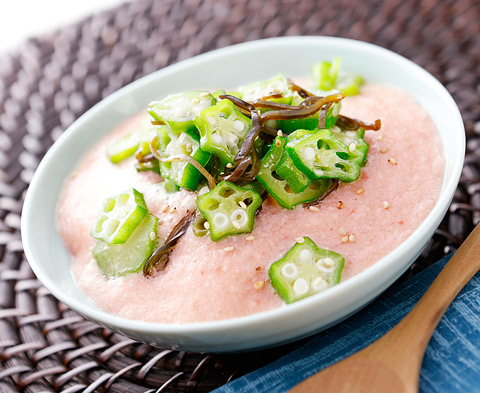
20 19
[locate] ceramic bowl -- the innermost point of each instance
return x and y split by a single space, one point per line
229 67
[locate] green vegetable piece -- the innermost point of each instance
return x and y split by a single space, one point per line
122 148
119 259
184 175
355 137
146 134
119 217
324 74
218 93
350 84
278 188
254 186
305 270
275 85
295 178
323 156
229 209
180 109
222 130
198 224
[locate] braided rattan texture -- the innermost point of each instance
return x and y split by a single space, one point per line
47 83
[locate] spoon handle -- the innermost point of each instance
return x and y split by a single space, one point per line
408 340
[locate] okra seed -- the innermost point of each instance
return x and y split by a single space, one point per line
236 224
300 286
217 138
195 101
228 249
239 125
300 240
290 270
240 217
206 225
250 238
211 120
322 267
220 220
110 226
279 133
386 205
204 94
319 284
232 139
152 236
328 262
309 153
352 147
305 256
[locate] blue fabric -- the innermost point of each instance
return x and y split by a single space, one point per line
452 359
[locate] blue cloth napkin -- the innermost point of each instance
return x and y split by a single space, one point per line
452 359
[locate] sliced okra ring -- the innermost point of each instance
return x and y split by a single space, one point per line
277 85
119 217
229 209
122 148
305 270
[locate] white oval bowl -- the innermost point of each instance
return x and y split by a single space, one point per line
230 67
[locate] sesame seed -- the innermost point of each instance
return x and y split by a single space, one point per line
228 249
360 190
342 231
300 240
340 205
278 143
314 208
236 224
351 238
229 165
275 91
259 284
386 205
279 133
384 150
165 208
379 138
173 210
152 236
352 147
344 239
258 268
392 161
195 101
204 94
242 205
206 225
250 238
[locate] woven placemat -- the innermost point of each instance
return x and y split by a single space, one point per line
48 82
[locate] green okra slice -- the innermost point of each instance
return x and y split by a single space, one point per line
129 257
185 175
222 130
198 225
295 178
119 217
323 156
275 85
305 270
324 74
180 109
354 139
229 209
122 148
279 188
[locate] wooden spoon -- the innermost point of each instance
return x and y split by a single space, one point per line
392 363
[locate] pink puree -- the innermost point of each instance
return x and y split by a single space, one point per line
204 282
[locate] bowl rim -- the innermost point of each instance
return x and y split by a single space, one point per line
386 263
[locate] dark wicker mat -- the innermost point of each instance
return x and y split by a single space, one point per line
48 82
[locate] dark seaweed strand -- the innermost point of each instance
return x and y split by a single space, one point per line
245 107
322 115
351 124
247 144
300 90
159 258
238 171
